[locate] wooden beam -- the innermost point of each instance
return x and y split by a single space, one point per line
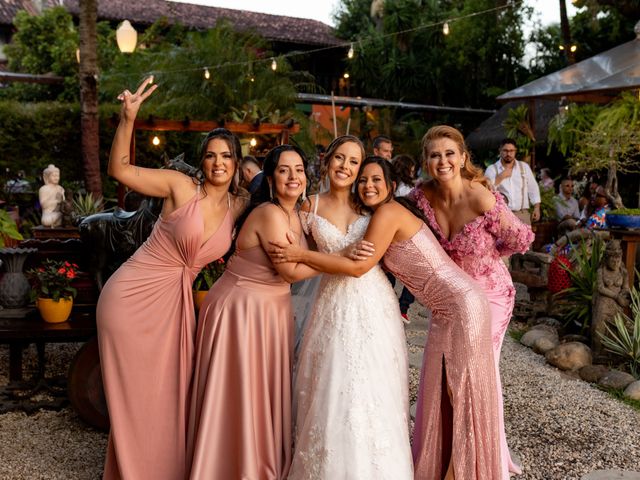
8 77
158 125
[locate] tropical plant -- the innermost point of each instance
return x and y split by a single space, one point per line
547 204
53 280
85 205
575 302
209 274
519 128
625 341
8 228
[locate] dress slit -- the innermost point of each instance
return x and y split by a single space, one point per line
446 412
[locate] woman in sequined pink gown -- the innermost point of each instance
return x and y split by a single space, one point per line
145 314
475 227
240 412
456 430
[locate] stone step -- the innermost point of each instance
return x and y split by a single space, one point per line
415 360
611 475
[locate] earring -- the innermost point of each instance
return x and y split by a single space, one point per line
462 165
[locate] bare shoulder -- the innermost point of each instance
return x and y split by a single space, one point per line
307 205
390 211
481 199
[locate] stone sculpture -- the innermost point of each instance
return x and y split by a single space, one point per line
51 196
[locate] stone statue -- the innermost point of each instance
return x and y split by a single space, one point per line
611 296
51 196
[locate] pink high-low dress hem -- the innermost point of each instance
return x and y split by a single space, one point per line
458 345
146 330
240 415
478 249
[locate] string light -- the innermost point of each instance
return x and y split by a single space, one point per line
573 48
274 64
253 142
207 75
155 140
346 75
351 52
445 28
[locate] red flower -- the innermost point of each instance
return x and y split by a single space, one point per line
62 271
71 274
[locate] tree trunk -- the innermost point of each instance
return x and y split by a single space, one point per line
566 33
612 182
89 96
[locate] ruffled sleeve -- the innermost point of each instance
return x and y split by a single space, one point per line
512 235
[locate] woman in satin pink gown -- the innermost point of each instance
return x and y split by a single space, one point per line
145 314
240 415
456 430
476 228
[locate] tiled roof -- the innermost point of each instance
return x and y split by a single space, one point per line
9 8
273 27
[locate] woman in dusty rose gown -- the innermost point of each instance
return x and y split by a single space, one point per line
240 415
145 314
456 430
475 227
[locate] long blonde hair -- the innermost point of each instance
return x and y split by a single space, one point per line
468 170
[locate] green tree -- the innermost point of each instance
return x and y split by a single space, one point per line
409 58
45 43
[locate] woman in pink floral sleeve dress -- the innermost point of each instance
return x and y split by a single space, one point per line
475 227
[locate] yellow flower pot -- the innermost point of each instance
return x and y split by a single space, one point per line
198 297
54 312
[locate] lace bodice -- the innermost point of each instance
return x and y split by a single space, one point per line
477 248
327 236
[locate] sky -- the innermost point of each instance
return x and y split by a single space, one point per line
548 11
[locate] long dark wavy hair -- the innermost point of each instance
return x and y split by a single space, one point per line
234 147
265 191
391 181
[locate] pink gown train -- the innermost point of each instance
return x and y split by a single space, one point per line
240 415
477 249
146 330
458 355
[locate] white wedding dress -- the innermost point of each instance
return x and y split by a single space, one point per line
350 399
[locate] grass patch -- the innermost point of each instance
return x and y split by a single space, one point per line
619 395
516 334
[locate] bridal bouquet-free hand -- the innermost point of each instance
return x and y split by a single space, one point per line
53 280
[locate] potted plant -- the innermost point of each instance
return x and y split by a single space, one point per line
52 289
205 280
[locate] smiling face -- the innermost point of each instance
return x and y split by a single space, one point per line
218 163
289 177
373 187
344 165
444 159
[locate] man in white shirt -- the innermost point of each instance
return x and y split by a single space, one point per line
567 209
515 180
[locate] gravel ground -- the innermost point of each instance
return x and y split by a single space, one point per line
560 427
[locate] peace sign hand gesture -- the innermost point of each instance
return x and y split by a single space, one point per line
131 101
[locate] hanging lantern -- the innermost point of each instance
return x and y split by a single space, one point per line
207 75
445 28
351 52
274 65
126 36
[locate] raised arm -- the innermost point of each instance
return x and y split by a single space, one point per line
148 181
381 232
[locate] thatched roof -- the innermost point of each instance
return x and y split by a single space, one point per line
490 132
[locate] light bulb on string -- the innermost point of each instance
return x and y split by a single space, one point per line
207 75
573 48
274 65
253 142
155 140
351 52
445 28
346 75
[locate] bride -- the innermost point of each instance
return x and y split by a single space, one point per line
350 400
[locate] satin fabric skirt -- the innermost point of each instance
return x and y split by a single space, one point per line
240 417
